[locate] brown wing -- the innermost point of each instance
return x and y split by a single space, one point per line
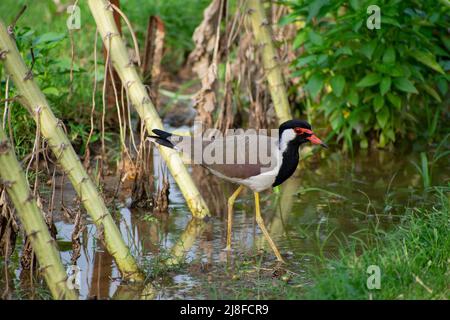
234 156
243 155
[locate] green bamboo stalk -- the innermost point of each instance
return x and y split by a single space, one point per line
263 38
51 129
32 219
103 15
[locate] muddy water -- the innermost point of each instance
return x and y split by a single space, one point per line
333 197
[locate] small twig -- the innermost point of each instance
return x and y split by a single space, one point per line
419 281
14 22
133 35
94 90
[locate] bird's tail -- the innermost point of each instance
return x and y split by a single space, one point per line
162 137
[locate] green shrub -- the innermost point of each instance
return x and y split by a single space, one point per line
382 83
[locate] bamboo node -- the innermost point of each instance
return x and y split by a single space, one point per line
129 64
34 233
80 184
29 197
7 183
44 268
62 147
10 30
38 110
262 44
99 220
28 75
145 100
83 180
108 6
4 147
3 54
109 35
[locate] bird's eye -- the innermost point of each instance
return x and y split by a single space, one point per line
298 130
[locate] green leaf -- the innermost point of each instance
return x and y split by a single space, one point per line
358 25
338 85
389 56
315 7
406 69
287 19
385 85
314 85
48 38
344 50
51 91
353 97
395 100
355 4
378 102
305 60
315 38
442 85
336 119
64 245
387 20
369 48
397 71
432 92
405 85
355 117
390 134
369 80
322 58
346 62
299 39
427 59
383 117
446 41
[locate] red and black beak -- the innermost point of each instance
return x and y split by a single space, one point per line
312 137
314 140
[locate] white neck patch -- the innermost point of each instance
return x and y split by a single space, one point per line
287 136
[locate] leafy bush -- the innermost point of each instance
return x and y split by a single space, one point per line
51 73
381 83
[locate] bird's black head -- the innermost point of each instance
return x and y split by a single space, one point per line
299 132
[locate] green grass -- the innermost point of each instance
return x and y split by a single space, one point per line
413 258
413 261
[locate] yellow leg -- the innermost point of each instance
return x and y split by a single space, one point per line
260 222
231 201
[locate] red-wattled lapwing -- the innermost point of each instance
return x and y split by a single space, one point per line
240 162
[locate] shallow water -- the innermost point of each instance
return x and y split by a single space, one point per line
333 197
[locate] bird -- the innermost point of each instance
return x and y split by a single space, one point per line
237 158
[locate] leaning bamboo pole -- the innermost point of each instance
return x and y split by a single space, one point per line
32 219
51 129
103 14
263 38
